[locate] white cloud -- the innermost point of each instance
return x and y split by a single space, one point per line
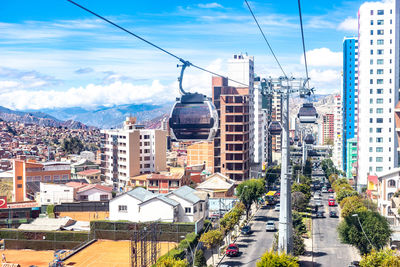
325 81
349 24
210 5
323 57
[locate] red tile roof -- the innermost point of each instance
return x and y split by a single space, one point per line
89 172
165 176
95 186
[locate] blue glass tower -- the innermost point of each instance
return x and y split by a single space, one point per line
350 94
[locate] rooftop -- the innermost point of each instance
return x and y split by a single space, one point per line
89 172
186 193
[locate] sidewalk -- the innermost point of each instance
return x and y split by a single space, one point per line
227 240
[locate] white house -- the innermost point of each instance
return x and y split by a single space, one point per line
51 194
140 205
388 184
94 192
193 205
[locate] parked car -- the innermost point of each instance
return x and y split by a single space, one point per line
324 190
320 214
277 207
246 230
270 226
331 202
330 190
333 214
232 250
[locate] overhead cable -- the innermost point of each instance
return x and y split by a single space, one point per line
302 38
152 44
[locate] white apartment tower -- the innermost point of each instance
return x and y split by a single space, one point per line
241 69
130 151
338 129
378 83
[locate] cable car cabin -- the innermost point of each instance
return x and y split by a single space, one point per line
291 141
193 118
307 113
299 144
296 139
309 139
275 128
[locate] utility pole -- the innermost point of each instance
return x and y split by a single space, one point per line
285 86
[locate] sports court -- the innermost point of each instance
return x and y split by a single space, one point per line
26 257
109 253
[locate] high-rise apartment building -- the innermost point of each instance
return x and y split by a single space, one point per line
337 133
276 140
241 69
201 153
328 129
350 93
130 151
378 82
232 142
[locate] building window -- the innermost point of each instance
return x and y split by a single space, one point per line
371 52
19 186
380 42
379 52
84 198
379 169
379 22
379 81
391 183
379 71
372 22
188 210
194 209
201 207
379 62
379 159
381 12
378 130
379 120
379 91
379 149
372 32
379 139
379 110
390 195
380 32
103 197
379 100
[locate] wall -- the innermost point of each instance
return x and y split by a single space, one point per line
133 210
94 194
55 193
85 216
164 211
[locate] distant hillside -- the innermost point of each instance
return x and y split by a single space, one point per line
111 117
39 118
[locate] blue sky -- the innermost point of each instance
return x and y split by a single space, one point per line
53 54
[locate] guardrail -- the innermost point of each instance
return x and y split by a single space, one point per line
64 255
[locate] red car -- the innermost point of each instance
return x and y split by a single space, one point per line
232 250
331 202
330 190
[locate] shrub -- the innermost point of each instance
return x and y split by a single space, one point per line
299 248
271 258
384 258
340 195
298 223
199 259
211 238
171 262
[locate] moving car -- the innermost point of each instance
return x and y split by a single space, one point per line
320 214
331 202
330 190
246 230
324 190
333 214
232 250
270 226
277 207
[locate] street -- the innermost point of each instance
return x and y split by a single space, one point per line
327 249
254 245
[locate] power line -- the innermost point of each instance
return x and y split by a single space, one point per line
302 38
152 44
265 38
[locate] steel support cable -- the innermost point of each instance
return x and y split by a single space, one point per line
302 38
152 44
265 38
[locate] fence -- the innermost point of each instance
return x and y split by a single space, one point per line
42 240
171 232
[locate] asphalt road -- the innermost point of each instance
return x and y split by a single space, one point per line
327 249
252 246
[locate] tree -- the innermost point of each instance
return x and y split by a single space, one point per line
271 175
381 258
211 239
351 205
249 192
308 168
271 258
299 248
172 262
72 145
375 226
299 201
298 224
342 194
199 259
303 188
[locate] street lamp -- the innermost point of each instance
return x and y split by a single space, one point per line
358 218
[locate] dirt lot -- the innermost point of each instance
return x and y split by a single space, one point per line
108 253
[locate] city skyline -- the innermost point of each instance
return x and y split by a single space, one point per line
56 55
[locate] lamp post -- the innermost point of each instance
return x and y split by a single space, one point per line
191 251
358 218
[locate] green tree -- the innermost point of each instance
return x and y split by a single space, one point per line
172 262
199 259
303 188
298 223
299 201
375 226
249 192
299 248
308 168
72 145
271 258
211 239
381 258
342 194
351 205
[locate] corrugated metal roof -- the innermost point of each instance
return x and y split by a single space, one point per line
165 199
141 194
186 193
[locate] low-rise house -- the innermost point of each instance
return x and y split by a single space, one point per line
51 194
217 185
140 205
139 180
165 182
388 185
82 165
94 192
91 175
